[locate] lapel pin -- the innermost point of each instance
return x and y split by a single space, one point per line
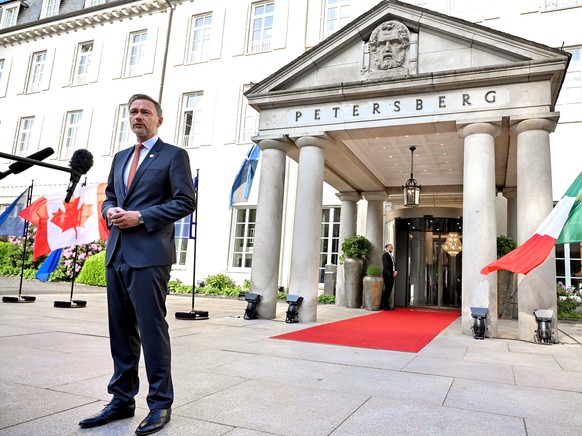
151 155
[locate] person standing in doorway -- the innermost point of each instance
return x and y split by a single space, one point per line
149 188
389 274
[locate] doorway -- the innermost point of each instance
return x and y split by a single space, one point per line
429 276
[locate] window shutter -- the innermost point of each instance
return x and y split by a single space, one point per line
5 76
151 47
280 24
95 61
216 33
49 67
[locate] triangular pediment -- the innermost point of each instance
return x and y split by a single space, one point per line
429 50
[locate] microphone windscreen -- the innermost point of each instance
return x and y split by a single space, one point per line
18 167
81 160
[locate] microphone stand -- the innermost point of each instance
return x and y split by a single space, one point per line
194 314
35 162
23 298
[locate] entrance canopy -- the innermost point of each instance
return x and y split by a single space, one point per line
401 76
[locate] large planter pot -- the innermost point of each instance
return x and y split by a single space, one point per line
353 282
373 286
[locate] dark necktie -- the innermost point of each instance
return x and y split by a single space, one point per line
133 167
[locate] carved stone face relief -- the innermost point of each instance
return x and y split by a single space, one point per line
388 52
389 43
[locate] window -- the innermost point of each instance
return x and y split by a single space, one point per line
182 229
200 38
83 63
36 71
572 88
262 27
569 265
71 134
90 3
25 129
249 119
2 64
560 4
123 132
136 52
191 120
329 247
9 16
337 15
243 237
50 8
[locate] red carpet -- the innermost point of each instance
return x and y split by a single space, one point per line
399 330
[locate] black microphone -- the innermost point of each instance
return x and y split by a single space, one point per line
81 162
18 167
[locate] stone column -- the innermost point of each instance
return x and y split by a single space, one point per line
307 227
267 240
536 290
479 226
347 228
375 226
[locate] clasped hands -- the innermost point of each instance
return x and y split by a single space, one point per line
121 218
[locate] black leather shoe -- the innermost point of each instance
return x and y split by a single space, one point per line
111 412
154 422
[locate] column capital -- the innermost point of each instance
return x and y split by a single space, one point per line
283 143
547 124
492 129
375 196
349 196
321 140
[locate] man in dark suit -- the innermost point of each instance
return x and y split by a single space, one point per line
389 274
149 188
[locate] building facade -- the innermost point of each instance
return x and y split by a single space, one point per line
67 68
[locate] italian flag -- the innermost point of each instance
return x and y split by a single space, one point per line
563 225
63 224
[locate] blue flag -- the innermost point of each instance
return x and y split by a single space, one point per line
49 265
10 223
241 188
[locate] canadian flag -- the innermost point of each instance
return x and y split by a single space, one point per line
63 224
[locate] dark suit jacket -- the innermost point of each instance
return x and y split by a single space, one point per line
387 264
163 191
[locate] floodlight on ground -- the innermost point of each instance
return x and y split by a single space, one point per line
294 302
253 301
544 333
479 315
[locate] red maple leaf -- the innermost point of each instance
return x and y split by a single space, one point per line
73 216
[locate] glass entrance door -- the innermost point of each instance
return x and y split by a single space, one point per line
433 277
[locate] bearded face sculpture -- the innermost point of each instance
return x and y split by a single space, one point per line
389 44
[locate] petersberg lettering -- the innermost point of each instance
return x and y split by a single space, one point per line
425 104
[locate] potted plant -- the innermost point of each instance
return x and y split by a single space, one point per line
355 251
373 287
506 281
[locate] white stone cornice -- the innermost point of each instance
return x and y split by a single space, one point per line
91 19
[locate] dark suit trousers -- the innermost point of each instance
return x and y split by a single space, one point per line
388 285
136 299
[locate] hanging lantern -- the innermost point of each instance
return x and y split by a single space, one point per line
453 245
411 190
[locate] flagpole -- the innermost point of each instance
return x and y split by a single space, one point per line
23 298
73 303
194 314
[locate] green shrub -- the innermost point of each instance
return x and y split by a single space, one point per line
93 271
356 246
326 299
220 281
176 287
504 245
373 270
569 300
